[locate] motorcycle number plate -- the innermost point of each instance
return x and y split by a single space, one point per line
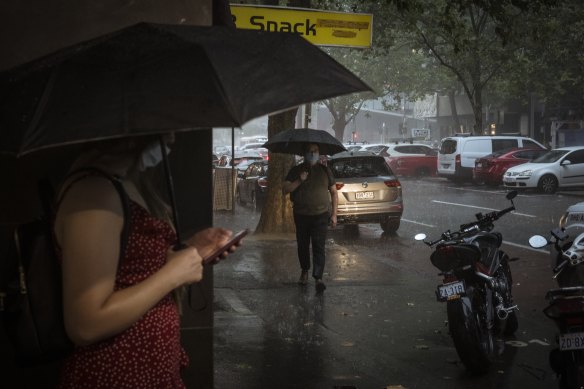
450 291
573 341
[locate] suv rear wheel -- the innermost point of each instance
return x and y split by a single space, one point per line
390 225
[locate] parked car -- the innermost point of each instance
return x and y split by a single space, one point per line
251 146
414 165
242 156
355 146
242 166
252 185
457 155
398 149
368 190
246 155
407 159
558 168
490 168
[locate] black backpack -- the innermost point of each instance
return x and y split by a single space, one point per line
31 307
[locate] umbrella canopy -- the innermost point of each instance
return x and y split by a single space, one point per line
295 141
153 78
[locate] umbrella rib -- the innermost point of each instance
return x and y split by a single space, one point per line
43 101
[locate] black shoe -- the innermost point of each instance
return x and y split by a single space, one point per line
303 280
320 286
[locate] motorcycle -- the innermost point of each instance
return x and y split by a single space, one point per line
566 306
476 287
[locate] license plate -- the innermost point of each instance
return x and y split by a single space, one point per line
364 195
450 291
507 179
576 217
573 341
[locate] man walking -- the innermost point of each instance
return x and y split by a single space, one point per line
314 195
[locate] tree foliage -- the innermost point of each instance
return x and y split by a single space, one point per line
551 62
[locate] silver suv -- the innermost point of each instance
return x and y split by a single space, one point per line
368 191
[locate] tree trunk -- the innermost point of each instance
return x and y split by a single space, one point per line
339 124
477 108
453 110
277 212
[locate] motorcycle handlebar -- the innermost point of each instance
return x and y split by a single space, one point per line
484 221
504 211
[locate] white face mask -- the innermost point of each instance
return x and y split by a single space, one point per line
311 158
152 156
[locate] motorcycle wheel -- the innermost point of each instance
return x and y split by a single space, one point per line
511 323
572 376
472 340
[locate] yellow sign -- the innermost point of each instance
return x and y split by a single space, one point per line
323 28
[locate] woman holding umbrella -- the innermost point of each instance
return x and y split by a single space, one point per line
119 308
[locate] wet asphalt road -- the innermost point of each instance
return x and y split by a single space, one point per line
378 324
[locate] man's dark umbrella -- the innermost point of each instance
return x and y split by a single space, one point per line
152 79
295 141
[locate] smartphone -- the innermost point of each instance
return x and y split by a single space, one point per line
233 241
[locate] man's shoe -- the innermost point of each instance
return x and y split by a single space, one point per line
320 286
303 278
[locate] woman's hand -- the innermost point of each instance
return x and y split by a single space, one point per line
210 239
187 265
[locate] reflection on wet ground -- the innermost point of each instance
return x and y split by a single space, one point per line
377 325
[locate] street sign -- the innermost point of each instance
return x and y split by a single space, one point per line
421 133
322 28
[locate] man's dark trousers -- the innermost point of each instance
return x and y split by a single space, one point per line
311 229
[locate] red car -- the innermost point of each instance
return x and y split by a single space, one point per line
490 168
420 165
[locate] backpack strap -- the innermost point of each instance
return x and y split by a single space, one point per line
117 182
329 174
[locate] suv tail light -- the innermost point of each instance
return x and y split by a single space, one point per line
339 185
457 161
392 183
263 182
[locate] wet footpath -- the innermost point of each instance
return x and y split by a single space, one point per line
376 326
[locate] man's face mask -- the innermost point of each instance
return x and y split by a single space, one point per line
152 156
311 157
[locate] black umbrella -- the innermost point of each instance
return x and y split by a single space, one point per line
295 141
152 79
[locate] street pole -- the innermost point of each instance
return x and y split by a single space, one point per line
531 115
307 114
233 176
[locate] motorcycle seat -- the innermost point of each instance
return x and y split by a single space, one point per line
484 238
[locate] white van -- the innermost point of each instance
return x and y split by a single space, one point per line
457 154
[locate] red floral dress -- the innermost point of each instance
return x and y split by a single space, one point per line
149 353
